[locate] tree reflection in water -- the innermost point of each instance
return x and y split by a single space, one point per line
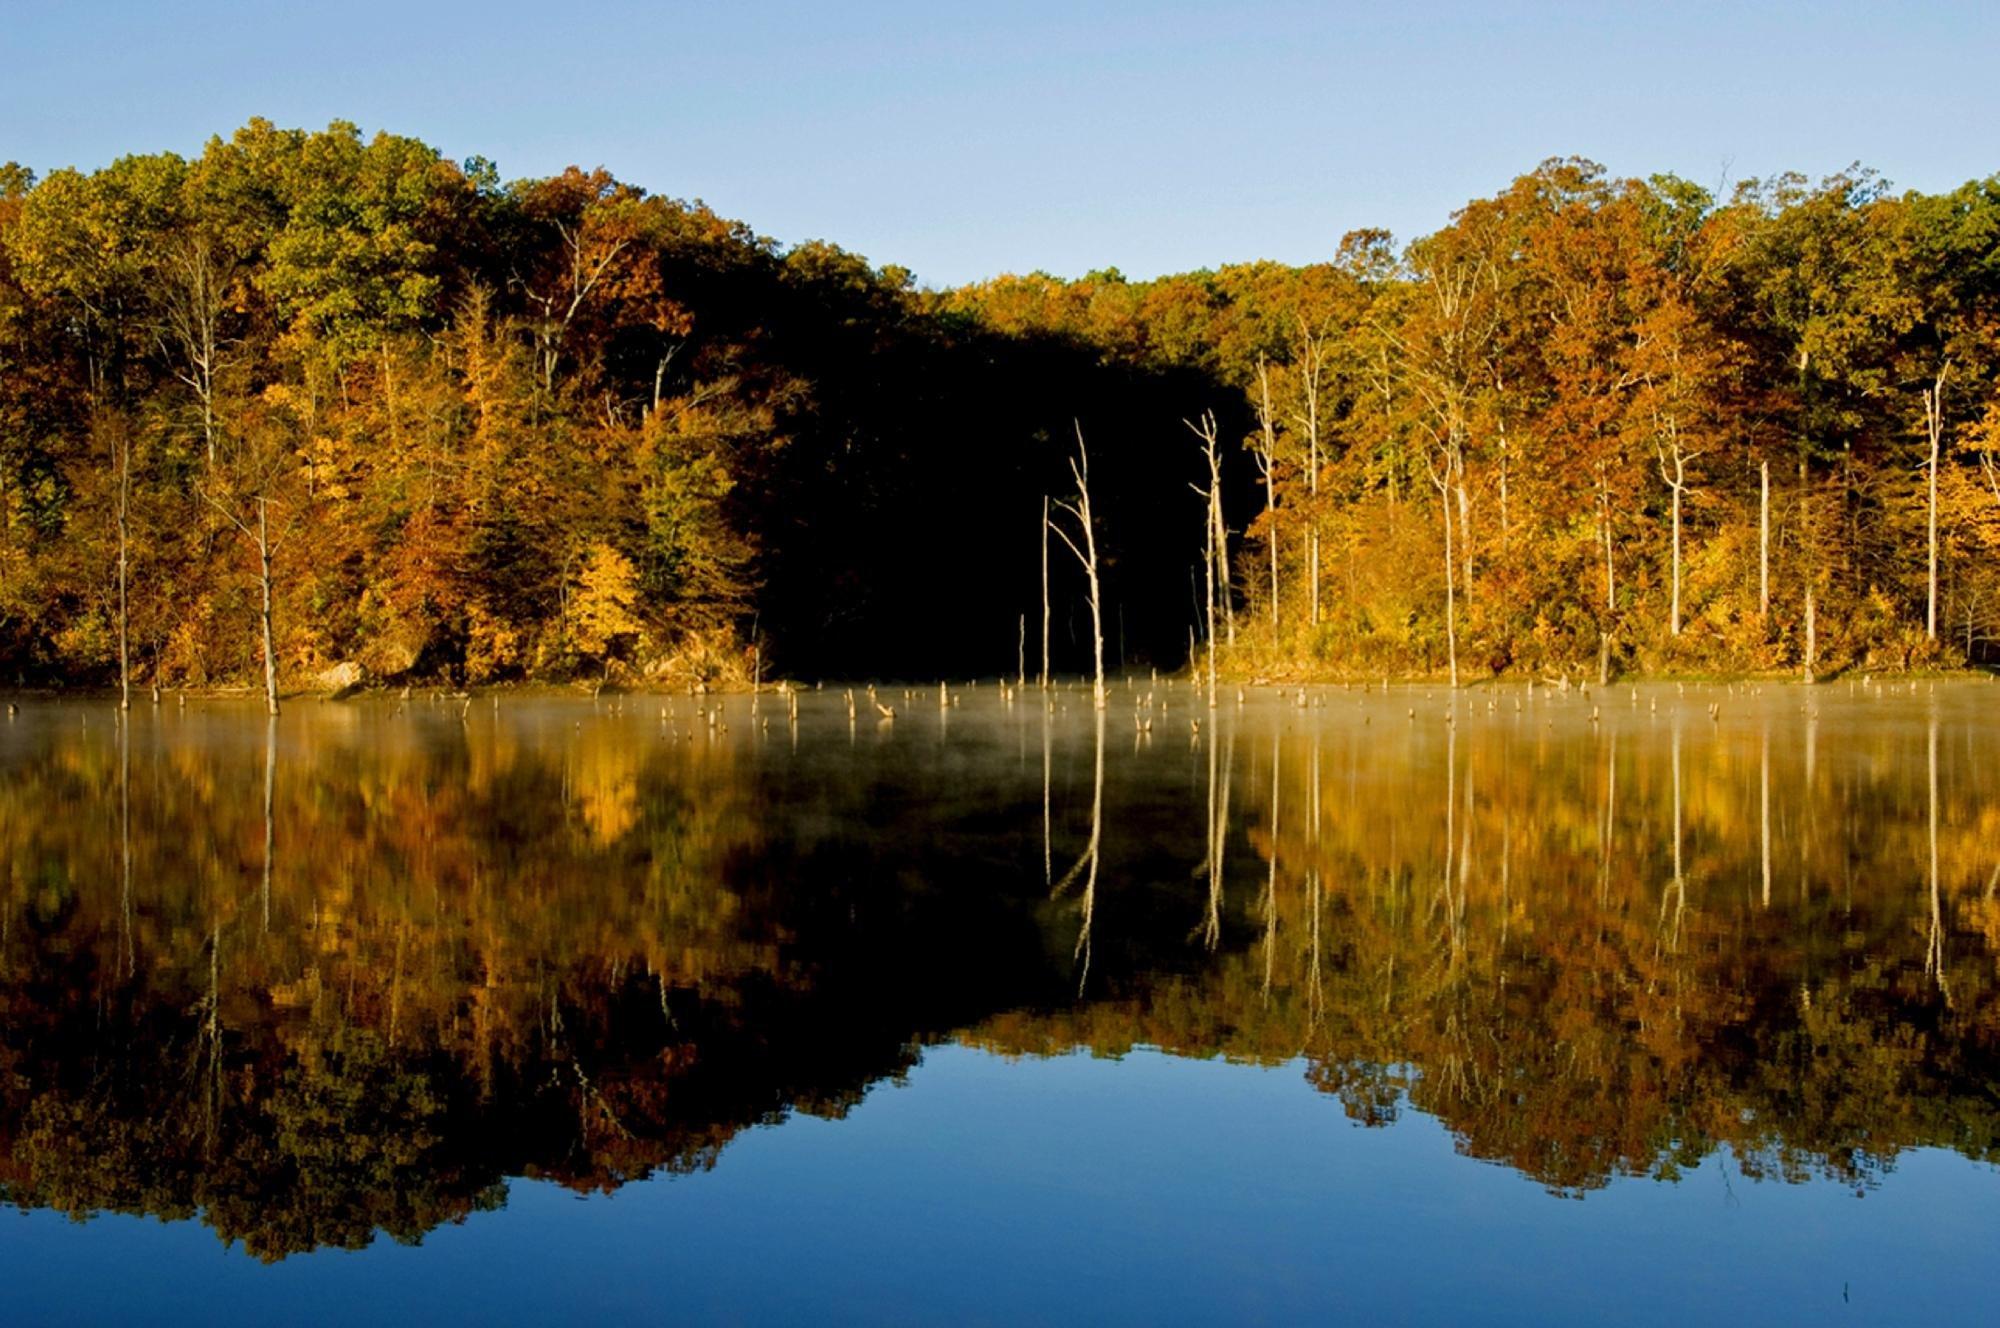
348 972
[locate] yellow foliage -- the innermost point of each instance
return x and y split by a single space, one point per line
492 647
605 606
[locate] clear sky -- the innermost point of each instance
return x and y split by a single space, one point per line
963 140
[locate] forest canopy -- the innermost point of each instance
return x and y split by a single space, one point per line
388 410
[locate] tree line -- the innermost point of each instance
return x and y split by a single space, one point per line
1597 424
309 399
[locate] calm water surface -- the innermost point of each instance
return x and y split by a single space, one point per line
1522 1007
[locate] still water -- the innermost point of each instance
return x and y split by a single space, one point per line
1520 1006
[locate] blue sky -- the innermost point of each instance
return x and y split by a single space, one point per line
965 140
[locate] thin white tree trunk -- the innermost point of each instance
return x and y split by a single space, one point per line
1934 425
264 579
1450 582
124 445
1045 592
1812 633
1086 553
1764 538
1267 460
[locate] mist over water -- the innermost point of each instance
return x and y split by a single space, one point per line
1380 1000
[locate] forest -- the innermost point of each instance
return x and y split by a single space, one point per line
313 405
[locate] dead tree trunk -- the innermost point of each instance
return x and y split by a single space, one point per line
1267 462
122 442
1443 481
1764 538
1086 554
1667 443
1934 427
259 536
1212 521
264 583
1045 592
1312 368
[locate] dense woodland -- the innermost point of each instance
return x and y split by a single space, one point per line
310 399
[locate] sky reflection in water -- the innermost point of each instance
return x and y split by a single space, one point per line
379 977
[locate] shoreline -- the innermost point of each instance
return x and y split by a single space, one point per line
1345 681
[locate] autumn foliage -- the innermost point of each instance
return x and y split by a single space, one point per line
460 428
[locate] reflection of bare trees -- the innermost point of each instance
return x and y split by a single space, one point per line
1764 805
1086 866
1675 893
1315 987
127 954
1607 822
1588 960
1670 945
1934 964
1271 876
1219 768
1449 904
1048 827
270 819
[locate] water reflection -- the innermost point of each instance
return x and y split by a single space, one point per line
346 972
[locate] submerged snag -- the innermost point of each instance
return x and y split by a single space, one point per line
1086 554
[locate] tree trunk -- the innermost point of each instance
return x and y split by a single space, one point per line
1312 565
264 580
1450 586
1268 461
1465 526
124 445
1676 482
1045 592
1212 518
1764 539
1674 626
1274 571
1221 561
1934 426
1086 554
1604 541
1812 634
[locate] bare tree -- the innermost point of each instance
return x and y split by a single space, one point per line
1991 469
243 495
1312 362
1213 551
1764 537
1934 428
587 259
1086 554
120 440
1045 592
1446 466
1442 357
1671 446
192 299
1264 444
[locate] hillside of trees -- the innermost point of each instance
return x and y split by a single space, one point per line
324 400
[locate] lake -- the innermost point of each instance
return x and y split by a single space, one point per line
1515 1006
